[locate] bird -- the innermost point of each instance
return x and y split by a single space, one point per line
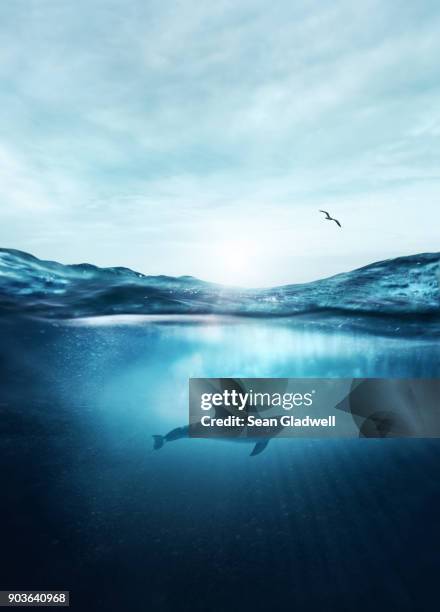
330 218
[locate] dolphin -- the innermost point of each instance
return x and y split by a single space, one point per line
184 432
238 434
196 430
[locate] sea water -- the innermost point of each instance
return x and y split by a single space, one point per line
89 507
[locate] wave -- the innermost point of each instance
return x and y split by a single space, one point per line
405 287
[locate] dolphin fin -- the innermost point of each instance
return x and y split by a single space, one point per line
158 442
259 447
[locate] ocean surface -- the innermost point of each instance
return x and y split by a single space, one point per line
88 506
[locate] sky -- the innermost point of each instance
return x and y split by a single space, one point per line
202 138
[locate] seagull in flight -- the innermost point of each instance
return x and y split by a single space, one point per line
329 218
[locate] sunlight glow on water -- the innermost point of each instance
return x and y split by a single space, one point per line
145 362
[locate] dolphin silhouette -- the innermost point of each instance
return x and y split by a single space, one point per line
184 432
238 434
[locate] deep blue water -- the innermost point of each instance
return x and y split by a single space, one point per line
199 525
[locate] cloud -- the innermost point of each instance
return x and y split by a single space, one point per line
134 132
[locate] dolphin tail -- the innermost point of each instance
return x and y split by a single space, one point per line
158 442
259 448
